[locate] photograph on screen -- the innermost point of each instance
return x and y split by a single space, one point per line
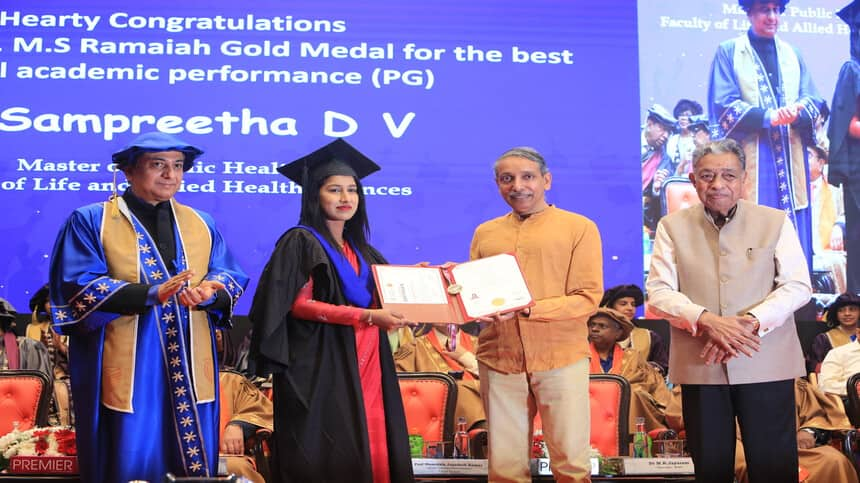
708 71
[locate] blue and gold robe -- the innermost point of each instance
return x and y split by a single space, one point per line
145 384
739 94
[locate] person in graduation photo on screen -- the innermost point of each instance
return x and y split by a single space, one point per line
761 94
338 411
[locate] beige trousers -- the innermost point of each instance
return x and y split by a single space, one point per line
561 397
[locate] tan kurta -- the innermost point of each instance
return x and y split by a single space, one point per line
561 258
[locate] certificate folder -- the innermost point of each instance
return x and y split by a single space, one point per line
455 294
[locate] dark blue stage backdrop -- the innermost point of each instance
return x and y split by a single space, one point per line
434 91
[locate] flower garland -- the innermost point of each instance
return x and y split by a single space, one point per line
49 441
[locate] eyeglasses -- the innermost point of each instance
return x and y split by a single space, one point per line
162 166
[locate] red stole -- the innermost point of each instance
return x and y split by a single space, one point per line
467 344
596 368
12 357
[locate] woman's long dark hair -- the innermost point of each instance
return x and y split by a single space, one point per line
356 229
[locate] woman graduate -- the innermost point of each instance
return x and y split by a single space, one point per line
338 411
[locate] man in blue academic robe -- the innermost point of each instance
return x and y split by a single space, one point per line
761 95
138 283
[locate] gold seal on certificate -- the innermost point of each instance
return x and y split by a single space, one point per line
455 288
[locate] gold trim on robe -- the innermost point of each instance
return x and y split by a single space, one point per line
118 360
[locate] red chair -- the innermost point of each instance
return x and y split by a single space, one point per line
678 193
24 398
429 400
610 413
609 397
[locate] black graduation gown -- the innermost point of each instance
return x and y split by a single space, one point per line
320 425
844 159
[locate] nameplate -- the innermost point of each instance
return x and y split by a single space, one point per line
468 467
540 467
658 466
45 465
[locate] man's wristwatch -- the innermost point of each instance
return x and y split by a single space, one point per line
756 325
821 437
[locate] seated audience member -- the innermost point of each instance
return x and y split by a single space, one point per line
828 221
227 355
841 317
20 352
839 364
40 329
681 143
701 136
649 395
245 364
429 353
400 336
818 416
656 163
625 299
244 410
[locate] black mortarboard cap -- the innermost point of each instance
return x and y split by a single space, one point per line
850 14
38 300
155 142
621 291
335 158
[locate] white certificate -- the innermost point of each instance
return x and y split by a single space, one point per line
410 285
490 285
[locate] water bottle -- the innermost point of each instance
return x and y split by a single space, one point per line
461 439
416 444
640 440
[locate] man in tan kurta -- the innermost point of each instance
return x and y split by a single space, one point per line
536 360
